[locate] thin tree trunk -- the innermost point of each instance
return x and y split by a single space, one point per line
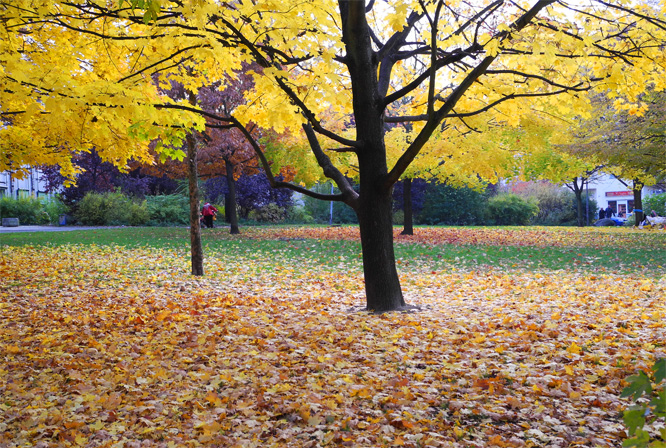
578 192
408 227
227 208
230 205
195 228
637 188
579 204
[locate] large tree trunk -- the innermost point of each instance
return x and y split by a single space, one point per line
195 228
374 210
408 227
637 188
382 285
230 204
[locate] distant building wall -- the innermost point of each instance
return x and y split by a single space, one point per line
30 185
607 190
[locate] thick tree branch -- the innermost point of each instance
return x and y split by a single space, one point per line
330 171
281 184
387 53
449 59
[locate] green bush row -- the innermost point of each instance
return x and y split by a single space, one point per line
444 205
31 210
103 209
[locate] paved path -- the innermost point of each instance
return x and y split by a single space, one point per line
47 228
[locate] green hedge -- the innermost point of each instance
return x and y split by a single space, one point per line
103 209
169 209
32 211
511 210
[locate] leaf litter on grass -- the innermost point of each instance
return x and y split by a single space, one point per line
109 346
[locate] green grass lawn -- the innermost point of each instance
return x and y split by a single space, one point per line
615 250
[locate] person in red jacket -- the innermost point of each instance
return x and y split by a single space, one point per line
208 214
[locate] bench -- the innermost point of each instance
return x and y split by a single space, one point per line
10 222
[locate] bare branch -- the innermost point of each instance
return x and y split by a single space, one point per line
330 171
431 125
341 150
269 172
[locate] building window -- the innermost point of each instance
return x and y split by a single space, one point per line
630 205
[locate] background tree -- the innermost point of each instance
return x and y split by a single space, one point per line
628 139
227 147
95 175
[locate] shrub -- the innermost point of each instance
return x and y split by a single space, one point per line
103 209
270 213
631 220
399 217
509 209
592 210
298 215
94 209
138 214
52 209
448 205
32 210
648 392
557 205
169 209
655 202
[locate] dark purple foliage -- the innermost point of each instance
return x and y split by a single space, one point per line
252 192
215 189
419 187
99 176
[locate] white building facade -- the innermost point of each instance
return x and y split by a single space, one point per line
31 185
608 190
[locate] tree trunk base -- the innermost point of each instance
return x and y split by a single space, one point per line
401 309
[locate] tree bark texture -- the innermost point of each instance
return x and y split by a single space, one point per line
408 227
638 201
578 191
375 207
230 204
382 285
195 227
